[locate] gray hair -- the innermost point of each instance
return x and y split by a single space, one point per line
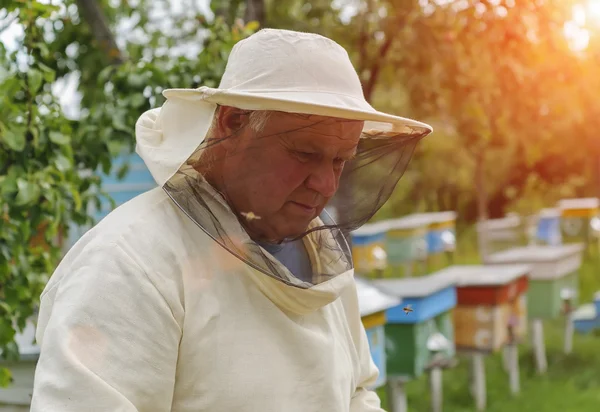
257 120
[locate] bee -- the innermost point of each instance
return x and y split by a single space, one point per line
407 309
250 216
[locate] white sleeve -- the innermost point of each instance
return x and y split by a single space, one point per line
109 339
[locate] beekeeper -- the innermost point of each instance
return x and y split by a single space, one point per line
229 287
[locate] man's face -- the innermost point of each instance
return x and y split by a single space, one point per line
286 173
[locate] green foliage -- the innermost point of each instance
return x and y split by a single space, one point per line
48 161
41 185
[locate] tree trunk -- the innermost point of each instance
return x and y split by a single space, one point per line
255 11
482 202
94 16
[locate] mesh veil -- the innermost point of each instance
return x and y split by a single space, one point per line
267 174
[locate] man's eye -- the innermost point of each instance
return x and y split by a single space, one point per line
304 156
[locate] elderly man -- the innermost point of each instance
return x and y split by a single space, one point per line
229 288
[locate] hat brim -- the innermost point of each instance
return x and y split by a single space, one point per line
305 102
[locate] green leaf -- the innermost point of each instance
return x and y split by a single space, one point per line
136 80
63 163
5 377
8 185
119 123
49 74
34 77
59 138
28 192
138 100
14 139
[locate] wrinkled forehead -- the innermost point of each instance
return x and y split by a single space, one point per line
309 124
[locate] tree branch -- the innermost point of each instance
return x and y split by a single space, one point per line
93 14
255 11
390 35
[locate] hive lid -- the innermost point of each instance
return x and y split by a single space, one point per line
583 203
485 275
370 229
408 222
417 287
437 217
535 254
372 299
585 312
508 222
549 212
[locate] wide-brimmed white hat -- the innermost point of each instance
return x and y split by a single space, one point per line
272 69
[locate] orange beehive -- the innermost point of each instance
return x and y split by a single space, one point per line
491 306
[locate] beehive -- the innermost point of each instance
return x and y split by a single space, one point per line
491 305
373 303
579 221
406 244
368 248
553 269
426 307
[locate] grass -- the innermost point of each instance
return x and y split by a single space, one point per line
571 384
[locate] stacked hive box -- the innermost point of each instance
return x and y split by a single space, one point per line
406 245
368 249
426 308
500 234
579 221
441 239
491 306
553 269
548 227
373 303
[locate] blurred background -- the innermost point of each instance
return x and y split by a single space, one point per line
510 87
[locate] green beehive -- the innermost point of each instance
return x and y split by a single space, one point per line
441 239
579 222
406 245
501 234
555 269
425 312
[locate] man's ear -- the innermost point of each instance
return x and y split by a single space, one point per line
230 122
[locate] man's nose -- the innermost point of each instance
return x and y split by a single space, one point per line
323 179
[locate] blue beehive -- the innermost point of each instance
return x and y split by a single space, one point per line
373 303
426 310
587 318
548 227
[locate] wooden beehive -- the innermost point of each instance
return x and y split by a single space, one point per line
368 248
406 244
579 221
428 301
553 269
373 303
548 227
441 239
502 233
491 305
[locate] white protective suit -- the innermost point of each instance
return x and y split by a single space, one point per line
147 313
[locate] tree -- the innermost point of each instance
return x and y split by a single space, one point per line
47 160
